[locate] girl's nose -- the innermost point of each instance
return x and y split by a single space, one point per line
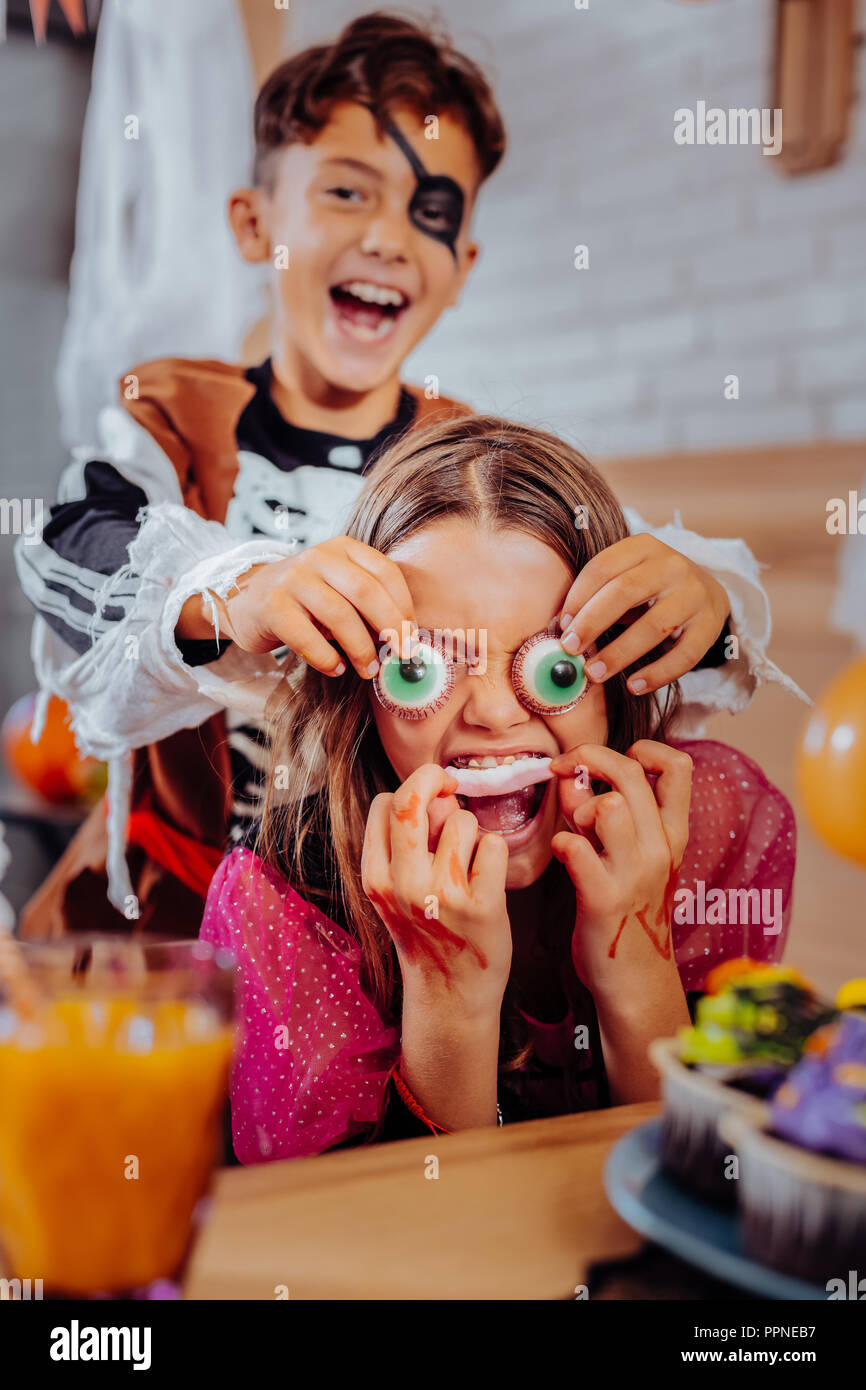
491 702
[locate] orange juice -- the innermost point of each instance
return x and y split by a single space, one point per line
109 1123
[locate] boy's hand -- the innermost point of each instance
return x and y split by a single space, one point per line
441 898
623 858
685 601
339 589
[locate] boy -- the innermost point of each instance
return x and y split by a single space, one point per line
246 474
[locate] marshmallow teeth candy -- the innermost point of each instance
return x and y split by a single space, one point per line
501 778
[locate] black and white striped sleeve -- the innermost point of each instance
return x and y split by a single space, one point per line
84 542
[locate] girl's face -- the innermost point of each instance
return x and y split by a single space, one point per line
509 586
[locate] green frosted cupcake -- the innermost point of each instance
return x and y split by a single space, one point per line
749 1030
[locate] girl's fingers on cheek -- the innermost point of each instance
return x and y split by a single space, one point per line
669 769
585 812
582 862
412 802
590 760
673 783
438 812
375 855
574 794
409 827
615 828
621 773
456 843
489 866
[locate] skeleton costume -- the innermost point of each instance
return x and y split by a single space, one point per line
196 478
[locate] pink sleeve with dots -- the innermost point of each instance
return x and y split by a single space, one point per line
313 1054
733 895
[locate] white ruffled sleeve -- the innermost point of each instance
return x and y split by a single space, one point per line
708 690
132 686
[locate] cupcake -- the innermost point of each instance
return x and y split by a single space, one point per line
802 1162
749 1030
852 995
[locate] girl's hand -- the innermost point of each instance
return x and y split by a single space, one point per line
685 600
339 589
443 902
623 859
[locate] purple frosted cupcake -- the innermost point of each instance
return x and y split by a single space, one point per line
802 1171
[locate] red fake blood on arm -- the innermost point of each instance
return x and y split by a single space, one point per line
422 939
662 943
613 945
666 910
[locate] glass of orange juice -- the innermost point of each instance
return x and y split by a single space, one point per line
113 1074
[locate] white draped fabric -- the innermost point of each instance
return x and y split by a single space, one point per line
168 135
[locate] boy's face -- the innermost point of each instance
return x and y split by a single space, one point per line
511 589
364 283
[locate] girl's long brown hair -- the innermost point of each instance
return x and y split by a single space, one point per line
499 476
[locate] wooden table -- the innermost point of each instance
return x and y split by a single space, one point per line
517 1212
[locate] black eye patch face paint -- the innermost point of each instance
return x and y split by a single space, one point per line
436 207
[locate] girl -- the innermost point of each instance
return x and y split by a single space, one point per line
480 887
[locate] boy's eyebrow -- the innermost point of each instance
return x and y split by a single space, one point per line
357 164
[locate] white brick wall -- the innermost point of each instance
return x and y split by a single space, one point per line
704 261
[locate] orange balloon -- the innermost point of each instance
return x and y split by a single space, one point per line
831 765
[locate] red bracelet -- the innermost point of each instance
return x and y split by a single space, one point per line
412 1105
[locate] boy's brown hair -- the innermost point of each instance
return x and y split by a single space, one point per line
384 61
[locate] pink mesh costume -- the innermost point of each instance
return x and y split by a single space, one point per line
314 1054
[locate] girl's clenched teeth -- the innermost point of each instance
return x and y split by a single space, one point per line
489 776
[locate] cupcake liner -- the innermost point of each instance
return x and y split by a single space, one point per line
692 1148
803 1213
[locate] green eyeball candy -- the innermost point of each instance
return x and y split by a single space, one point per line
416 687
545 678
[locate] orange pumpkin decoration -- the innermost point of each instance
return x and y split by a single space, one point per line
53 767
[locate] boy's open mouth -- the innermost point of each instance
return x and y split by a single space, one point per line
366 311
505 793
